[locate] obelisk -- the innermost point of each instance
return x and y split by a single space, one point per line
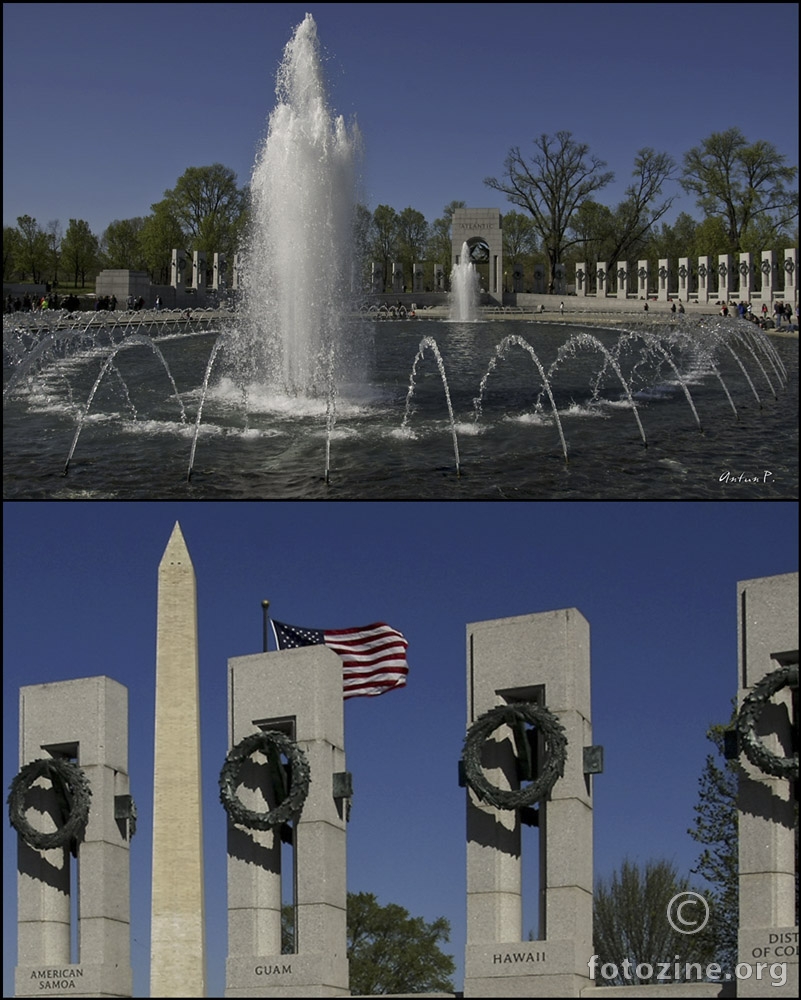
177 942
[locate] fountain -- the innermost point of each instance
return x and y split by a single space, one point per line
293 333
297 395
464 289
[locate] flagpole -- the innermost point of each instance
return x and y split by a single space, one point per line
265 605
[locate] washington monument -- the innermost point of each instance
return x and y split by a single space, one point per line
177 943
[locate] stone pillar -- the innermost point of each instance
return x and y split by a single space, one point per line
601 278
397 277
642 279
517 278
768 269
542 658
746 277
539 279
236 272
377 279
725 277
417 278
199 269
560 287
84 720
439 278
663 273
683 293
218 273
767 640
177 926
299 693
704 275
791 276
622 280
178 269
581 279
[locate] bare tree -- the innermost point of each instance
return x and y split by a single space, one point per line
551 186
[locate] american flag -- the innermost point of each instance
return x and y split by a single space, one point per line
373 656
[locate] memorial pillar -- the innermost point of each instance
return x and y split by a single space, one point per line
601 278
704 275
80 725
791 276
746 277
642 279
622 279
768 700
683 293
178 268
768 269
534 666
296 693
725 277
199 270
218 275
663 273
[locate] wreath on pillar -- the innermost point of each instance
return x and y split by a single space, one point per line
291 788
515 716
72 792
748 716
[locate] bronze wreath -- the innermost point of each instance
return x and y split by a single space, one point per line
272 744
750 711
553 766
72 791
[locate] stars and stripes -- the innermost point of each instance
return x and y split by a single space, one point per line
373 656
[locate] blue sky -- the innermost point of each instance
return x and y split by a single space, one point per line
656 581
106 105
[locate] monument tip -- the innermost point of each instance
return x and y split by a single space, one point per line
176 550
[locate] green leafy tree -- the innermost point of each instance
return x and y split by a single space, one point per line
673 241
209 207
79 251
33 249
384 238
740 182
715 827
12 255
440 244
711 238
161 233
391 952
593 225
362 224
550 186
413 233
519 239
122 246
54 235
388 950
631 926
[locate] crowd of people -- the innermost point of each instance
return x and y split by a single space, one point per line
35 303
782 312
71 303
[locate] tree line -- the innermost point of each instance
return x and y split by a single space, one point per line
744 190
